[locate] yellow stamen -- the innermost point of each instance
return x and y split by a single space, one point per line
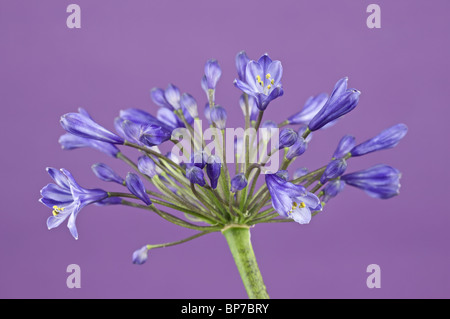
258 78
269 86
272 81
261 83
57 210
302 205
268 76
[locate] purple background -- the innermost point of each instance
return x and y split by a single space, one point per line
125 48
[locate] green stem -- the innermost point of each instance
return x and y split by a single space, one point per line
238 239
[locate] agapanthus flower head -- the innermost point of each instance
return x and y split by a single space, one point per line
388 138
213 169
212 73
219 117
238 182
83 125
137 188
340 102
190 104
262 80
147 166
195 175
140 256
334 169
345 145
290 200
287 138
297 149
169 98
241 63
312 106
380 181
332 189
106 173
67 198
253 109
69 142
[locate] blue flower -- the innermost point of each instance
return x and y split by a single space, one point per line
332 189
253 108
146 166
292 201
238 182
169 98
380 181
137 188
346 143
287 138
69 142
388 138
140 256
81 124
334 169
218 116
262 81
138 116
67 198
195 175
241 64
212 73
341 101
106 173
312 106
297 149
143 134
213 168
189 104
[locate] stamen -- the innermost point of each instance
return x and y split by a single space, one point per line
268 76
57 210
258 78
269 86
272 81
302 205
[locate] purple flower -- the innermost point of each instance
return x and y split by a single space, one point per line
334 169
388 138
287 138
297 149
380 181
198 159
146 166
195 175
253 109
69 142
332 189
299 172
238 182
144 134
345 145
213 168
141 117
341 101
140 256
106 173
189 104
81 124
212 73
312 106
241 64
168 98
291 201
262 80
137 188
219 117
67 198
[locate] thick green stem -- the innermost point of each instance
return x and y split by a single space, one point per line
238 239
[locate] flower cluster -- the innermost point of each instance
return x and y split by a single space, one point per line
199 187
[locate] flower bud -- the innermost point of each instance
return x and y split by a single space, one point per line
146 166
106 173
137 188
287 137
238 182
345 145
140 256
334 169
195 175
212 73
219 117
213 168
